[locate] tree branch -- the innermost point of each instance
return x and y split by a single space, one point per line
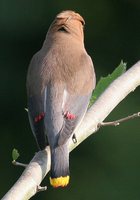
117 122
27 184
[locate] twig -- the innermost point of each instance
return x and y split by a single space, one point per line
26 109
41 189
19 164
117 122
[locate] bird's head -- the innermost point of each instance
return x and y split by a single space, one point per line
68 22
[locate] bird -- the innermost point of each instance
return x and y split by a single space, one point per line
60 81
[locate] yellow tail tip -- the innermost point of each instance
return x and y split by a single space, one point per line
60 181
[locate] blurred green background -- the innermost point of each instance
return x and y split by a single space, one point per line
106 165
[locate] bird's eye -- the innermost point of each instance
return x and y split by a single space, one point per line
83 22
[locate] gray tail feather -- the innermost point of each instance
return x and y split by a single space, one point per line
60 161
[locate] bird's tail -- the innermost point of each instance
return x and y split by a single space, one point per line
60 166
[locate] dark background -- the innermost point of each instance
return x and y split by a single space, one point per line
106 165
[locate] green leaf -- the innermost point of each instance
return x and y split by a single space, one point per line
104 82
15 154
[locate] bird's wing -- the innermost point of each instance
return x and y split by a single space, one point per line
36 111
76 98
36 117
73 113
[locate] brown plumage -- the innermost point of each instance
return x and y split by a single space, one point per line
60 81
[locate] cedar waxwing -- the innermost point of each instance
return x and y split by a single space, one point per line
60 82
